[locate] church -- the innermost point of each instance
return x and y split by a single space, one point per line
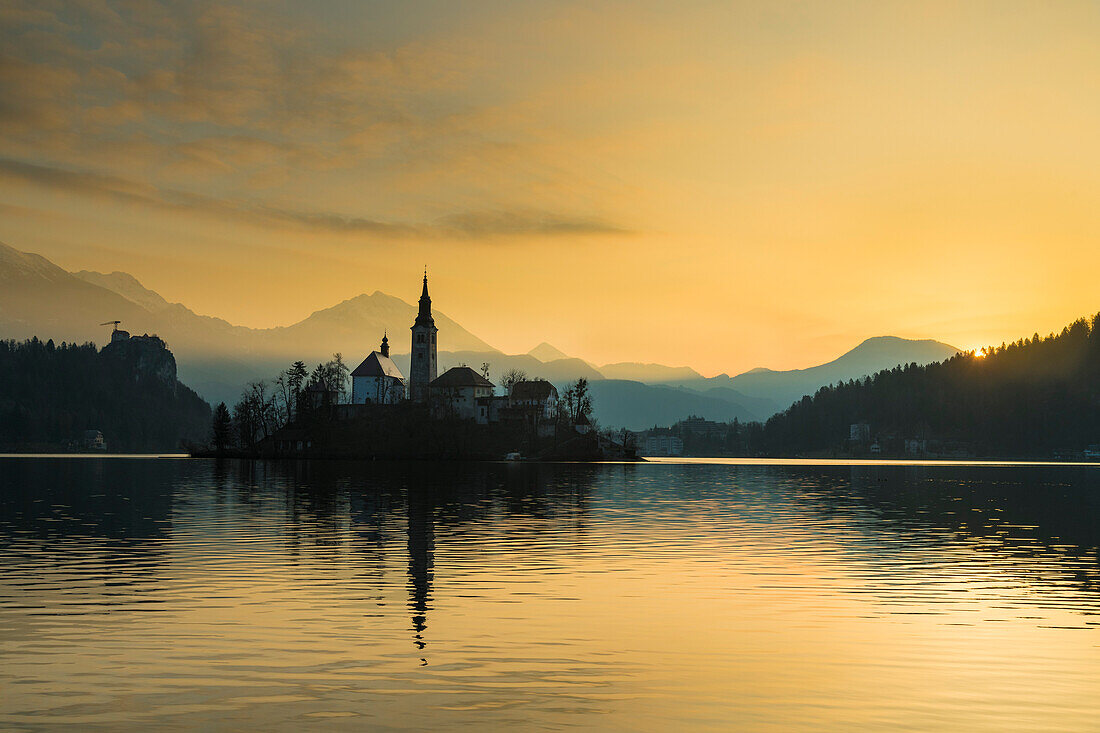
378 380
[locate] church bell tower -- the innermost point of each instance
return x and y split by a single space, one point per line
422 369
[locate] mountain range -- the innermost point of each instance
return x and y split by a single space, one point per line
217 358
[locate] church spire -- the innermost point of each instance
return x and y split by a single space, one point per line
424 315
385 345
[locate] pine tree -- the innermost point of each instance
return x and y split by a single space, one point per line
222 427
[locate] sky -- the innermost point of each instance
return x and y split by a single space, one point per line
723 185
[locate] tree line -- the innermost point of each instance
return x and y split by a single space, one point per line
1032 398
50 394
265 406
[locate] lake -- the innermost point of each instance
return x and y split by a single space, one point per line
141 593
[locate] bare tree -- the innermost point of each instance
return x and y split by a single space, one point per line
575 402
511 377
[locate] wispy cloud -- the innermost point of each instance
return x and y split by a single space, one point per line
463 224
504 223
148 102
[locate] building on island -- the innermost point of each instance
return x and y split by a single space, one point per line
378 381
538 397
491 409
532 404
423 364
455 393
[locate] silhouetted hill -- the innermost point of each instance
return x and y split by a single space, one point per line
38 298
636 406
873 355
1024 399
218 358
128 287
546 352
50 395
350 326
650 373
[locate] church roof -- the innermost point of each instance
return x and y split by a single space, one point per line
377 365
461 376
537 389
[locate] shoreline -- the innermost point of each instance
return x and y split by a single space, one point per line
655 460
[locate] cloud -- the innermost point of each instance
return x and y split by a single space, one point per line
240 100
504 223
474 225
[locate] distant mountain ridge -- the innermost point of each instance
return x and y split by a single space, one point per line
128 287
869 357
1035 398
217 358
546 352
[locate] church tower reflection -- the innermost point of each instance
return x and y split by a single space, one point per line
421 562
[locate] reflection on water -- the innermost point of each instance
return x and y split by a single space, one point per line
139 593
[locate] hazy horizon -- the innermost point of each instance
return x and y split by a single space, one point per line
722 186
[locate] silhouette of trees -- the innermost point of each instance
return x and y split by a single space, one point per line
256 415
332 376
50 394
222 428
510 377
1028 398
295 379
575 402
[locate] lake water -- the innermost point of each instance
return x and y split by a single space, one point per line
177 594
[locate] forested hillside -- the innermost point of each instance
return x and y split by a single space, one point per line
1029 398
49 395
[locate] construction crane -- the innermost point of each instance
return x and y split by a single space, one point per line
112 323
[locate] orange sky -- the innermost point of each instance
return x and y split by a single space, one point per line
723 185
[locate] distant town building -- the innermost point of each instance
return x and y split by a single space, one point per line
859 432
456 392
93 440
695 425
378 381
423 363
663 444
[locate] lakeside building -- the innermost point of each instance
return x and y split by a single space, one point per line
859 432
695 425
456 392
532 404
377 380
662 444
